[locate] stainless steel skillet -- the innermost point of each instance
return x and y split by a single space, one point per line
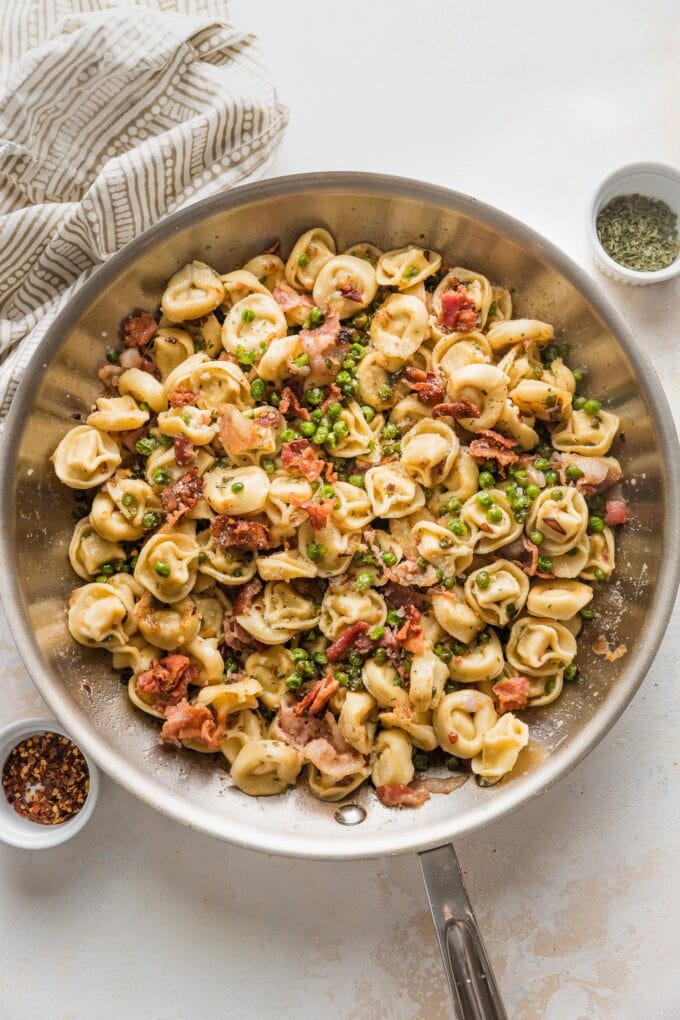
36 526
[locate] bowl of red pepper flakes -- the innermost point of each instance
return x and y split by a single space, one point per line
49 786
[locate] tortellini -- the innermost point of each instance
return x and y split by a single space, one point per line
85 457
346 512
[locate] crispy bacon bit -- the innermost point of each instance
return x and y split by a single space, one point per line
322 345
408 573
601 647
169 678
237 637
182 398
330 474
289 300
318 696
616 512
184 450
290 402
453 737
319 740
341 646
410 635
192 722
350 291
300 456
274 248
490 445
512 693
458 310
237 533
531 566
400 795
555 525
239 434
427 385
318 513
400 595
246 594
138 329
180 497
269 417
599 473
459 409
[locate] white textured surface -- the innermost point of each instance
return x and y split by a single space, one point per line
528 109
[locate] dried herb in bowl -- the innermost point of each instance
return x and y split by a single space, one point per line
638 232
46 779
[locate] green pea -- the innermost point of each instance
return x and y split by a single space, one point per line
364 580
368 413
101 578
556 495
459 648
579 403
375 633
452 506
307 429
301 361
313 396
112 355
294 682
161 568
541 464
314 318
380 656
592 407
494 515
449 583
327 491
321 435
545 564
340 429
305 668
127 499
537 371
161 476
303 259
384 393
570 673
443 653
486 480
520 476
146 445
247 315
532 492
595 524
388 558
578 376
151 520
320 658
485 499
312 551
550 400
393 618
456 527
390 431
268 465
317 415
297 654
357 351
288 435
483 579
274 399
334 411
237 486
551 478
349 363
536 537
356 480
599 574
588 613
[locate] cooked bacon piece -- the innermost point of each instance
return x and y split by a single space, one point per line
410 635
289 300
334 394
427 385
290 402
323 345
459 409
318 513
350 291
300 456
512 693
458 310
246 594
237 533
341 646
400 595
529 567
182 398
269 417
192 722
237 637
409 573
169 677
616 512
330 474
601 647
319 739
599 473
184 450
555 525
490 445
274 248
138 329
239 434
400 795
180 497
318 696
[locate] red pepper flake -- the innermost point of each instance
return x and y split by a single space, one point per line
46 778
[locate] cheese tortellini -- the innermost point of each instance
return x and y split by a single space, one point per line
343 517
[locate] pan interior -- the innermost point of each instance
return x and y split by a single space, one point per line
83 690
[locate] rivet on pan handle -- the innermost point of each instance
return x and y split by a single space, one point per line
471 980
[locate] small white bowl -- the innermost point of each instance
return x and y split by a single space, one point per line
655 180
19 831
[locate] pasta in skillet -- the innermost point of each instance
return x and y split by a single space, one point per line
340 517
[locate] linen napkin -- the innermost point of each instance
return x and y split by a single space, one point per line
113 113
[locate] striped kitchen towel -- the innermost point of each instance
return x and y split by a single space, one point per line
113 113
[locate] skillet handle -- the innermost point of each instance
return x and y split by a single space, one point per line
472 984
